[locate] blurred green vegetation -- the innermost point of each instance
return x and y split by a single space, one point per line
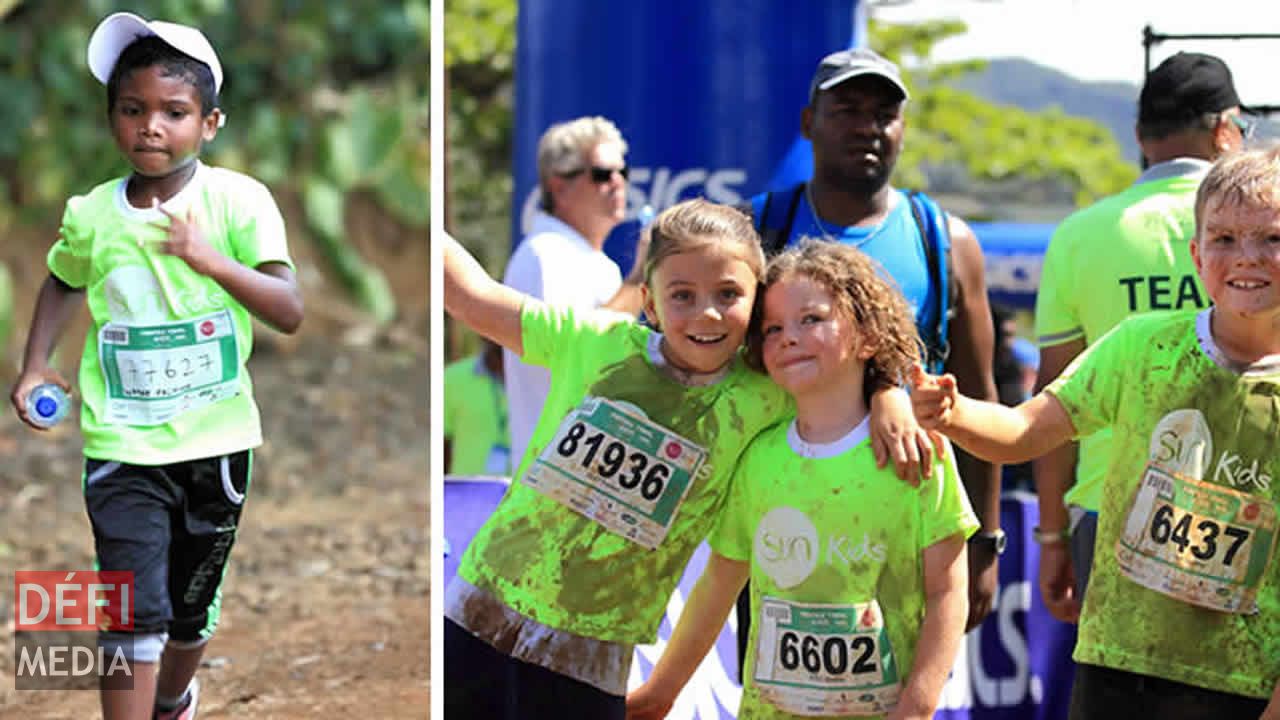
479 58
323 100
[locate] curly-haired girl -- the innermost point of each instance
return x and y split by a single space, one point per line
858 580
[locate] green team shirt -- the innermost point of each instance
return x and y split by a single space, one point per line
826 529
565 570
475 420
163 376
1127 254
1188 507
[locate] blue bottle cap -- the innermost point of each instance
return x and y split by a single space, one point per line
46 407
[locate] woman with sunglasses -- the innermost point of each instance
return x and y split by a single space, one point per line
582 179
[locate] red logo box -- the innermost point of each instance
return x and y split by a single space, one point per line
77 600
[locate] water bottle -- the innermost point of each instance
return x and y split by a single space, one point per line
47 404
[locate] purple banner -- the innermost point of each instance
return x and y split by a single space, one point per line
1016 666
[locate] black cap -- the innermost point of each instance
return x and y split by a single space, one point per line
846 64
1184 86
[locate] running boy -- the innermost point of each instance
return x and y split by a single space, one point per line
1182 617
630 461
173 259
859 582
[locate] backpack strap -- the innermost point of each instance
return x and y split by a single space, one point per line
774 235
935 237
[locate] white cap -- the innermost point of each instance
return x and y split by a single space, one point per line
119 30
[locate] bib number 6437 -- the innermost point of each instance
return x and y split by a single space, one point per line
1168 527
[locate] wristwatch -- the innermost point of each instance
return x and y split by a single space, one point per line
994 541
1050 537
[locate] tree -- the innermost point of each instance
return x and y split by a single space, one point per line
324 100
950 127
479 55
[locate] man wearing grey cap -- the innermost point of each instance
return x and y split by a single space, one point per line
1127 253
855 123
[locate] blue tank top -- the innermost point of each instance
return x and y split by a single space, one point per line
895 243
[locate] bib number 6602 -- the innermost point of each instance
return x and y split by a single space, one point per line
830 656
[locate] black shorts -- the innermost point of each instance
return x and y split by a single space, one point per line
1101 693
482 683
172 526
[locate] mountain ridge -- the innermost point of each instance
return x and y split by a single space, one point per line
1031 86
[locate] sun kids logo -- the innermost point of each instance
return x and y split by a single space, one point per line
1182 443
57 618
788 549
1238 472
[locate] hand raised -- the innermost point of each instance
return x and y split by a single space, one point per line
933 398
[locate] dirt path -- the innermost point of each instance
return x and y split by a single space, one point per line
326 603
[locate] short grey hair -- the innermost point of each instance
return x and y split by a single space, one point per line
562 146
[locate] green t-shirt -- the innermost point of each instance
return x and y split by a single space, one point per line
1188 506
1127 254
163 375
475 420
822 526
565 570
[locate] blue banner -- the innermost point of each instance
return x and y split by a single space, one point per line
707 94
1014 254
1015 666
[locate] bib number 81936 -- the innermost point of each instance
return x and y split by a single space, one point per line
651 479
795 650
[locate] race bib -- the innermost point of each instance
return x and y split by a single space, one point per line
618 468
154 373
823 660
1203 544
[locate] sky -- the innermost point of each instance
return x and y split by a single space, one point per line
1102 39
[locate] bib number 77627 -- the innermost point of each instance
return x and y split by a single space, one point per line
155 373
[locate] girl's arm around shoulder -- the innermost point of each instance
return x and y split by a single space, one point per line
478 301
990 430
897 436
700 622
946 588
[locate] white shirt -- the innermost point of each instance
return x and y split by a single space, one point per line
554 263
